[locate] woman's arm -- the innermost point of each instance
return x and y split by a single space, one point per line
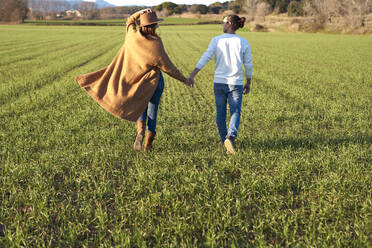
166 65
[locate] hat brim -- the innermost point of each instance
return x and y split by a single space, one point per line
153 22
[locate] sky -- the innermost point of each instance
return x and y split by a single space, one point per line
157 2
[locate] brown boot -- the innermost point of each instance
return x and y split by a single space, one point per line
141 127
150 136
229 145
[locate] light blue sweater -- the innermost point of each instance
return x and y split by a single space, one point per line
230 53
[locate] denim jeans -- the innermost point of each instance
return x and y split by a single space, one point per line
233 94
151 111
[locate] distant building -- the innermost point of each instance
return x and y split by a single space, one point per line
73 13
60 15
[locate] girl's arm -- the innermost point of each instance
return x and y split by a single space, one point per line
165 64
168 67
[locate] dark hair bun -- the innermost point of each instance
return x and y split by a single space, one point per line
241 22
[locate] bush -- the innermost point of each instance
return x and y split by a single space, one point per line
311 27
295 9
281 6
169 6
199 8
235 7
259 28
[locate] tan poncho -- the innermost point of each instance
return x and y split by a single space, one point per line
125 87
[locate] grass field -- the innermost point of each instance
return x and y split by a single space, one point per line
301 178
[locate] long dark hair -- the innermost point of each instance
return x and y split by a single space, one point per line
149 30
236 21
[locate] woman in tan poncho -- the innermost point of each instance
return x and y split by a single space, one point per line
131 86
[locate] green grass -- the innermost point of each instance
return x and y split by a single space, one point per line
70 178
117 22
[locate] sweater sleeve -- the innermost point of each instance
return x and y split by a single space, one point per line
131 22
208 55
165 64
247 61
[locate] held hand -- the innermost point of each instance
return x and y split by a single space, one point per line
193 74
190 82
247 87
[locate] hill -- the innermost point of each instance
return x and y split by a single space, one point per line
99 3
61 5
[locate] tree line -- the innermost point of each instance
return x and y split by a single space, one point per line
351 12
13 11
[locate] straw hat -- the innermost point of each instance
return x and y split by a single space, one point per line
149 18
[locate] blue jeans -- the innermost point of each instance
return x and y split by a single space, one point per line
151 111
233 94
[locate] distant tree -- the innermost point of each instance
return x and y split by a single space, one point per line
295 9
43 6
183 7
199 8
250 7
164 12
117 12
216 7
14 11
281 6
177 10
1 8
87 9
272 3
172 8
238 2
352 12
322 11
257 9
262 10
235 6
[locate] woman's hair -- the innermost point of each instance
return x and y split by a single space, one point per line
236 21
149 30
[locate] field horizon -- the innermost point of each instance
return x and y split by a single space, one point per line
301 177
121 22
